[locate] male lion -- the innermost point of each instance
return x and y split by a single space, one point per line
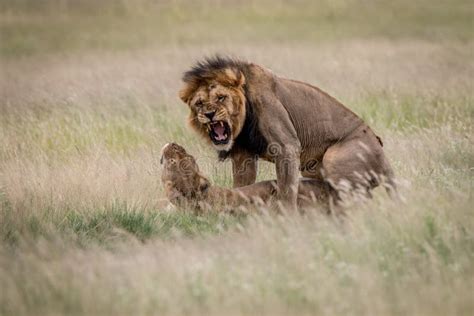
247 112
185 186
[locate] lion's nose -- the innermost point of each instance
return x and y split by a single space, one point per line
210 115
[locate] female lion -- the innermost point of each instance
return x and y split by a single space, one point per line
186 186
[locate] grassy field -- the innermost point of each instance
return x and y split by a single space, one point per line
88 96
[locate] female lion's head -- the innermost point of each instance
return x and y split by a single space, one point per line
181 178
214 92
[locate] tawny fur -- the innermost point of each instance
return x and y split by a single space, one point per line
185 186
293 124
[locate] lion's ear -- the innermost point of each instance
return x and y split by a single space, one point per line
186 93
204 184
233 77
240 79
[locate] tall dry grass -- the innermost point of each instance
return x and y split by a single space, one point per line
83 226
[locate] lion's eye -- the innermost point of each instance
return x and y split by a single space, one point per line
198 103
221 98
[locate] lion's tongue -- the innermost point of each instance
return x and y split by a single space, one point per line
219 130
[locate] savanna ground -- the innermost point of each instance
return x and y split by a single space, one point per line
89 95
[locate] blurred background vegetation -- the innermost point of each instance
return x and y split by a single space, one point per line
44 26
88 96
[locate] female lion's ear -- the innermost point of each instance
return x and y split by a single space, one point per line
204 184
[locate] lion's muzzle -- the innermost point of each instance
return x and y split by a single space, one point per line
219 132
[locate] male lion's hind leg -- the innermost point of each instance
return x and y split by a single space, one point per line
354 168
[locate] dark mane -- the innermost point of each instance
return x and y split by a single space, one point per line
250 138
207 68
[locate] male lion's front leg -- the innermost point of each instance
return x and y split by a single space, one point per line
244 168
287 171
284 149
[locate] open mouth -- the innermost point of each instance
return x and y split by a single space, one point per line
219 132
